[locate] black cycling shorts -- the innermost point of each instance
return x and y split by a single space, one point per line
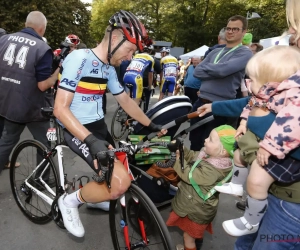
99 130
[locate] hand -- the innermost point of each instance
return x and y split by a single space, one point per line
204 109
157 128
95 146
240 131
263 156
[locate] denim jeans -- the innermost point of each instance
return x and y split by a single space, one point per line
279 229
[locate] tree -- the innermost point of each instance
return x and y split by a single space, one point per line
64 17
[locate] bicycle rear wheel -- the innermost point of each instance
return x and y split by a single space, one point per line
118 126
30 153
141 221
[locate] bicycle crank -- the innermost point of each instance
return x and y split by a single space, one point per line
56 215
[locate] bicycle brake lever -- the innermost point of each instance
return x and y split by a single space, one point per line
110 165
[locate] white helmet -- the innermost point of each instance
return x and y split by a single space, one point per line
164 49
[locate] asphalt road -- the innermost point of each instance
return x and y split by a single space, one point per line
17 232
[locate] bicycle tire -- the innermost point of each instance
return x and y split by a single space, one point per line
153 218
22 192
118 120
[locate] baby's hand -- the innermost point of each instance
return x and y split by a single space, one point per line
240 131
263 156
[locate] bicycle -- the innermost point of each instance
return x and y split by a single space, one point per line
134 220
121 121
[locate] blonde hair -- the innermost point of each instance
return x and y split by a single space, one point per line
274 64
293 16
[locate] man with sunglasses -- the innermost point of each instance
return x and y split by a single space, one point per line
84 77
221 73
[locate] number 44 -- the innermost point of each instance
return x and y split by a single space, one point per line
9 55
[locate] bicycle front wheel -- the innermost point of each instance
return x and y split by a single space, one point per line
30 154
118 124
135 223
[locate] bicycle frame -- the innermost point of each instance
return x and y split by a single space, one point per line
59 150
124 218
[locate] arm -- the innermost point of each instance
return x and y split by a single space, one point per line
43 72
132 109
230 108
236 63
63 113
48 83
199 71
283 135
150 80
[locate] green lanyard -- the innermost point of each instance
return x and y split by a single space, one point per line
211 192
217 60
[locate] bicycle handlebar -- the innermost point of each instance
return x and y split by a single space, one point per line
128 148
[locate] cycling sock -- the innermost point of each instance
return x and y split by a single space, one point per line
240 175
73 200
185 248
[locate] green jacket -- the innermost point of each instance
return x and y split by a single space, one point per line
186 201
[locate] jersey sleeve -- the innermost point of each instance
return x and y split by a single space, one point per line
73 70
113 84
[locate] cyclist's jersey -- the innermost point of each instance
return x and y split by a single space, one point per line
135 70
84 74
169 68
138 65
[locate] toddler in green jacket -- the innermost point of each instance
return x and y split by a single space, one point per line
195 203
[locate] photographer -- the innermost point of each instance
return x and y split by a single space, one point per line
27 84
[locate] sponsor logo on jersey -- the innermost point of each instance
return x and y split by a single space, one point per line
90 98
106 73
68 82
80 69
87 50
94 71
95 63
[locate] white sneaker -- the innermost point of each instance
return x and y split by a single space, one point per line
71 218
100 205
232 230
230 188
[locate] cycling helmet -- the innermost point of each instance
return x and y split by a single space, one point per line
72 39
134 31
164 49
148 48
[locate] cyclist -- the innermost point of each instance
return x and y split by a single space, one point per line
78 107
140 64
168 73
73 42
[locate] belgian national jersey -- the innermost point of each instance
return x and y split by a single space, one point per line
84 74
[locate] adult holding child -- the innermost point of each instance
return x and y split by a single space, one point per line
283 198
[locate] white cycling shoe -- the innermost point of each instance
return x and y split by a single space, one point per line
232 230
100 205
71 218
230 188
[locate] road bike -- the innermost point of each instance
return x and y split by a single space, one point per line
135 222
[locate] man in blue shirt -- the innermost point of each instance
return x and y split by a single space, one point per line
191 83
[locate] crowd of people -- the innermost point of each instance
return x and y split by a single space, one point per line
253 138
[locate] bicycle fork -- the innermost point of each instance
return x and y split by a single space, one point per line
124 225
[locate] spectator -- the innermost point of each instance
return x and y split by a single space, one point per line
195 204
24 79
247 39
221 74
192 84
221 42
256 47
279 229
